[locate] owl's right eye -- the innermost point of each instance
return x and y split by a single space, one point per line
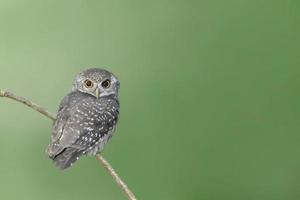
88 83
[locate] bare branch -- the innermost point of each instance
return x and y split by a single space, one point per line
99 157
27 103
115 176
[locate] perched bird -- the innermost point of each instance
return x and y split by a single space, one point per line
86 117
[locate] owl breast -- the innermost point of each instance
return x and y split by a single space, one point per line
97 121
99 145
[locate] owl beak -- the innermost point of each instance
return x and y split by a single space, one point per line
97 93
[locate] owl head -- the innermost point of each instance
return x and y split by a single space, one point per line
96 82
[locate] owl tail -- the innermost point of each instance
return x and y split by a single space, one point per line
66 158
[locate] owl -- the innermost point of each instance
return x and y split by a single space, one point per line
86 117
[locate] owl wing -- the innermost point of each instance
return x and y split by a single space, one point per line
60 125
61 118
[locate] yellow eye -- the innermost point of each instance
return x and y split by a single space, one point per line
105 83
88 83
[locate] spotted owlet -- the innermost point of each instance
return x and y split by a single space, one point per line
86 117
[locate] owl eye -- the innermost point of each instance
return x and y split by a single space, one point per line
88 83
106 83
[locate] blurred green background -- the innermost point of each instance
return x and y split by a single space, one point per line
209 97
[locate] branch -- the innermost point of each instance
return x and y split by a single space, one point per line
100 158
27 103
116 177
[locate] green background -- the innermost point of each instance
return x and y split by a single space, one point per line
209 97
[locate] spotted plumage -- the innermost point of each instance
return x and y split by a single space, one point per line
86 117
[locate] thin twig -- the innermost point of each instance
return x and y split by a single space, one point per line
99 157
27 103
115 176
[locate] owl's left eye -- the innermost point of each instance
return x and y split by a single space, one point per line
88 83
106 83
